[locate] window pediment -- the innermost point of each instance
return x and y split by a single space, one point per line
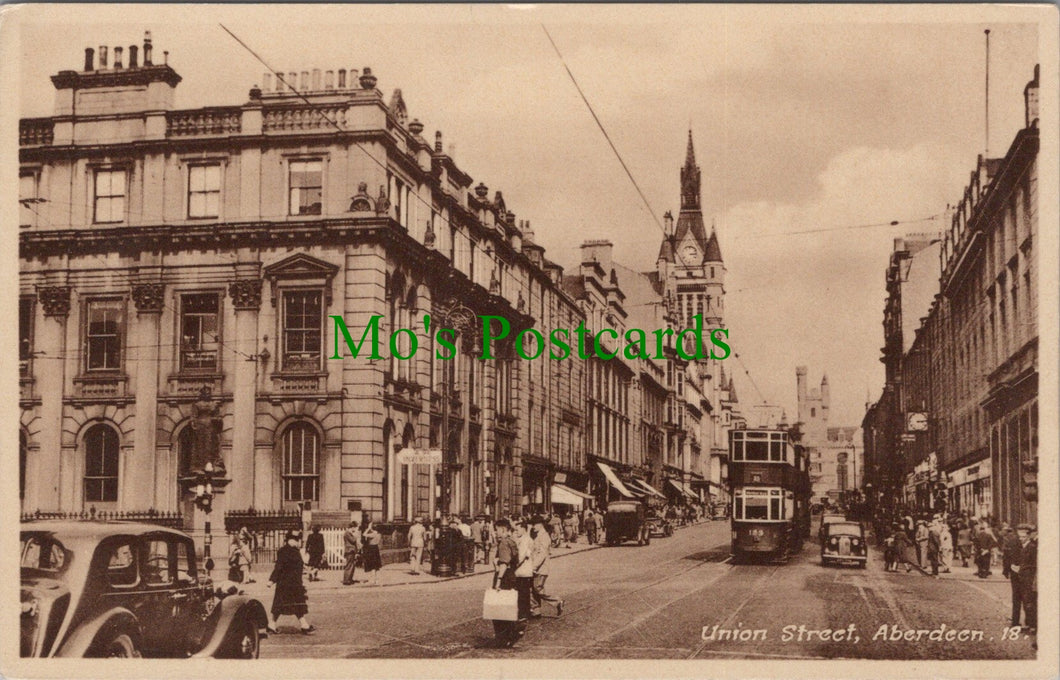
301 268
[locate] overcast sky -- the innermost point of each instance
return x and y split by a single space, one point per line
801 121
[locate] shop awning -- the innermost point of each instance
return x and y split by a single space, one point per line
681 488
568 496
648 487
613 479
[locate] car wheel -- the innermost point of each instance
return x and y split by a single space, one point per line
247 643
120 646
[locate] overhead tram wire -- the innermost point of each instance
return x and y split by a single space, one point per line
600 125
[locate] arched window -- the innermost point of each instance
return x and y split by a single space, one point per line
301 463
184 444
101 464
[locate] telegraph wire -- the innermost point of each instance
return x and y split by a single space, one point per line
603 130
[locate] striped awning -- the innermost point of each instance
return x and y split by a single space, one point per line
649 488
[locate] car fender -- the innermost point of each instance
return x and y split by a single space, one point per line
229 611
77 644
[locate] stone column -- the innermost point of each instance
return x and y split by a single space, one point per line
141 484
51 380
246 299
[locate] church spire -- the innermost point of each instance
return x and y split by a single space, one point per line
690 179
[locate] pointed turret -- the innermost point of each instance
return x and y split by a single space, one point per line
713 250
732 390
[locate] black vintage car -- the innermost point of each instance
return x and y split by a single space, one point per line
844 542
659 526
117 589
626 521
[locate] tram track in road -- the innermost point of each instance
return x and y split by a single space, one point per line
728 620
419 640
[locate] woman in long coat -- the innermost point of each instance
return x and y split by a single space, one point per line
290 597
372 559
245 540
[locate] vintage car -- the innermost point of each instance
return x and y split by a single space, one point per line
119 589
844 542
626 521
829 518
659 526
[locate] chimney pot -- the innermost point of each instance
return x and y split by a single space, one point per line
303 84
133 51
148 48
342 79
438 141
165 57
266 81
103 56
329 80
292 81
117 56
315 82
90 55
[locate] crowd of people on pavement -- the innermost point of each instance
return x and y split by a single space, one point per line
932 544
518 549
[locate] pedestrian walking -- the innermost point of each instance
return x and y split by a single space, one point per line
477 528
945 548
245 539
591 524
289 598
235 573
570 529
921 538
985 543
541 558
964 542
314 547
555 529
417 539
1028 577
524 568
934 545
507 560
1011 558
371 539
351 548
890 558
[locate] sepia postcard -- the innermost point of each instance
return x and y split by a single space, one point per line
546 340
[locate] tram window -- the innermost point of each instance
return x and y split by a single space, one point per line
776 451
756 507
738 508
774 508
756 451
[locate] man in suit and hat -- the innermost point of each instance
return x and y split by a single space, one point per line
1025 578
541 557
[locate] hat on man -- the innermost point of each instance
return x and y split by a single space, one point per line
1025 527
537 519
293 534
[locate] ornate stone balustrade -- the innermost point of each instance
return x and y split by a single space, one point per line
296 119
35 132
213 121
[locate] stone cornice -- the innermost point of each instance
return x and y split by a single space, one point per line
143 75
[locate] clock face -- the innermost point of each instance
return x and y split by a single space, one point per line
690 254
918 422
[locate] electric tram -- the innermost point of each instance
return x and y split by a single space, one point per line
770 489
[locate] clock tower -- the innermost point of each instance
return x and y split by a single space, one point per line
690 268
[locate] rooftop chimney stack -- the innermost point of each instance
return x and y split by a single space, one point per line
147 49
117 56
102 57
342 79
90 56
133 50
165 57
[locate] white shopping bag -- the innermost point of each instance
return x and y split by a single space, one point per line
500 605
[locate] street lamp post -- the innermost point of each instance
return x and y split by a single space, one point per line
457 317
